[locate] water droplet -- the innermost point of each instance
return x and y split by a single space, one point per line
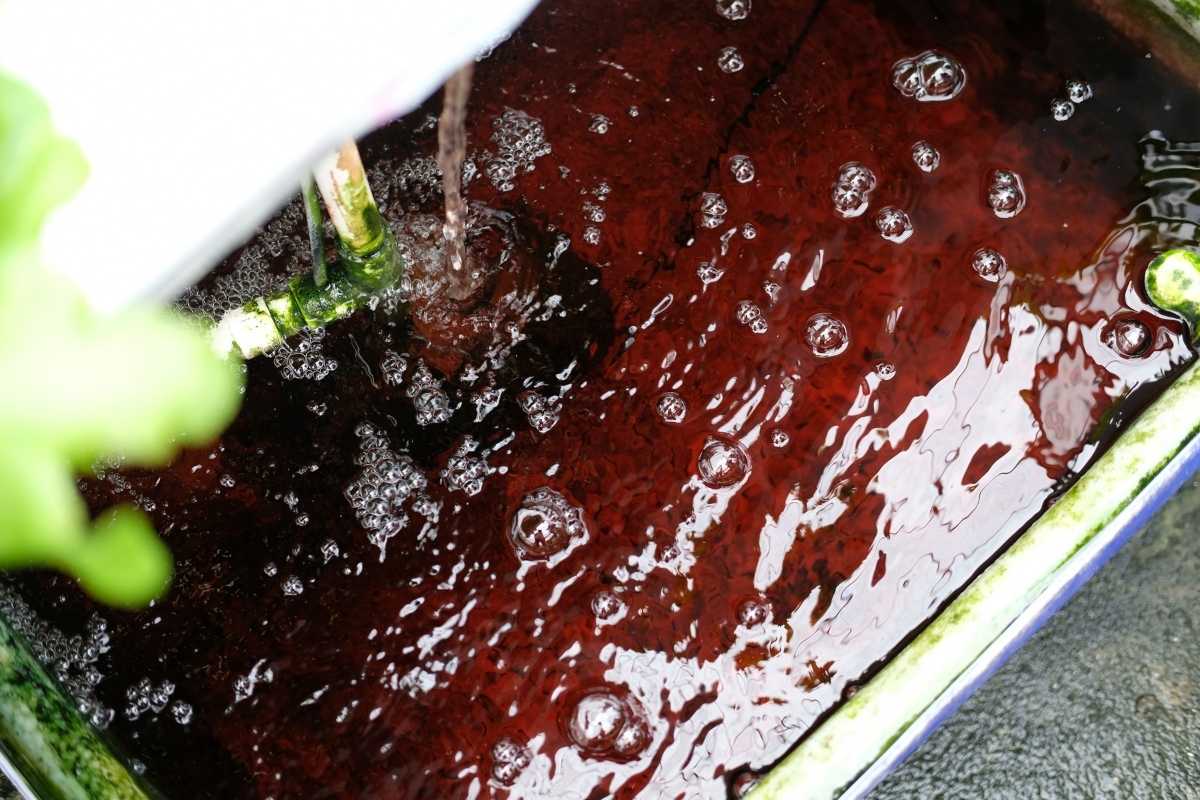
672 408
723 462
1078 91
713 209
989 265
735 10
1129 336
929 77
893 224
1061 109
826 335
606 604
600 124
852 189
730 60
605 725
708 272
509 760
1006 193
753 613
545 525
742 168
926 156
779 438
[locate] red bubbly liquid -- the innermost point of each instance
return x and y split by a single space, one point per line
665 635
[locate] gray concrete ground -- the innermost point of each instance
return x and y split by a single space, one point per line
1103 703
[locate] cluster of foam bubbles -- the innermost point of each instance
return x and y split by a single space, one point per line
713 209
603 724
393 366
466 470
304 357
292 586
144 697
723 462
509 760
418 179
929 77
735 10
749 314
852 189
1128 336
893 224
1062 109
926 156
1005 193
826 335
73 660
520 140
541 411
671 408
544 525
742 168
989 264
431 404
386 483
250 278
729 60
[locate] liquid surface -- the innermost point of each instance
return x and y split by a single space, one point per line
708 450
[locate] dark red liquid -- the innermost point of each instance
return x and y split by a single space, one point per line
957 410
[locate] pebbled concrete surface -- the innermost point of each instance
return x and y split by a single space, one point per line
1104 702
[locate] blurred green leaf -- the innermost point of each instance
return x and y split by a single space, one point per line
80 386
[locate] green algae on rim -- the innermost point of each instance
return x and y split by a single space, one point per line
42 736
861 730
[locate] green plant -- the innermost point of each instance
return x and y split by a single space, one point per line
80 386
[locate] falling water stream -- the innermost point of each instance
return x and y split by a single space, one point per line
452 145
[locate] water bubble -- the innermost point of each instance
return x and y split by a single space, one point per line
182 712
1006 193
293 586
1128 336
885 370
430 402
826 335
605 725
542 412
750 315
749 231
893 224
730 60
929 77
989 265
723 462
606 605
742 168
509 760
591 235
393 366
600 124
852 189
1061 109
735 10
708 272
633 111
270 570
1078 91
672 408
779 438
713 209
545 525
753 613
926 156
594 212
